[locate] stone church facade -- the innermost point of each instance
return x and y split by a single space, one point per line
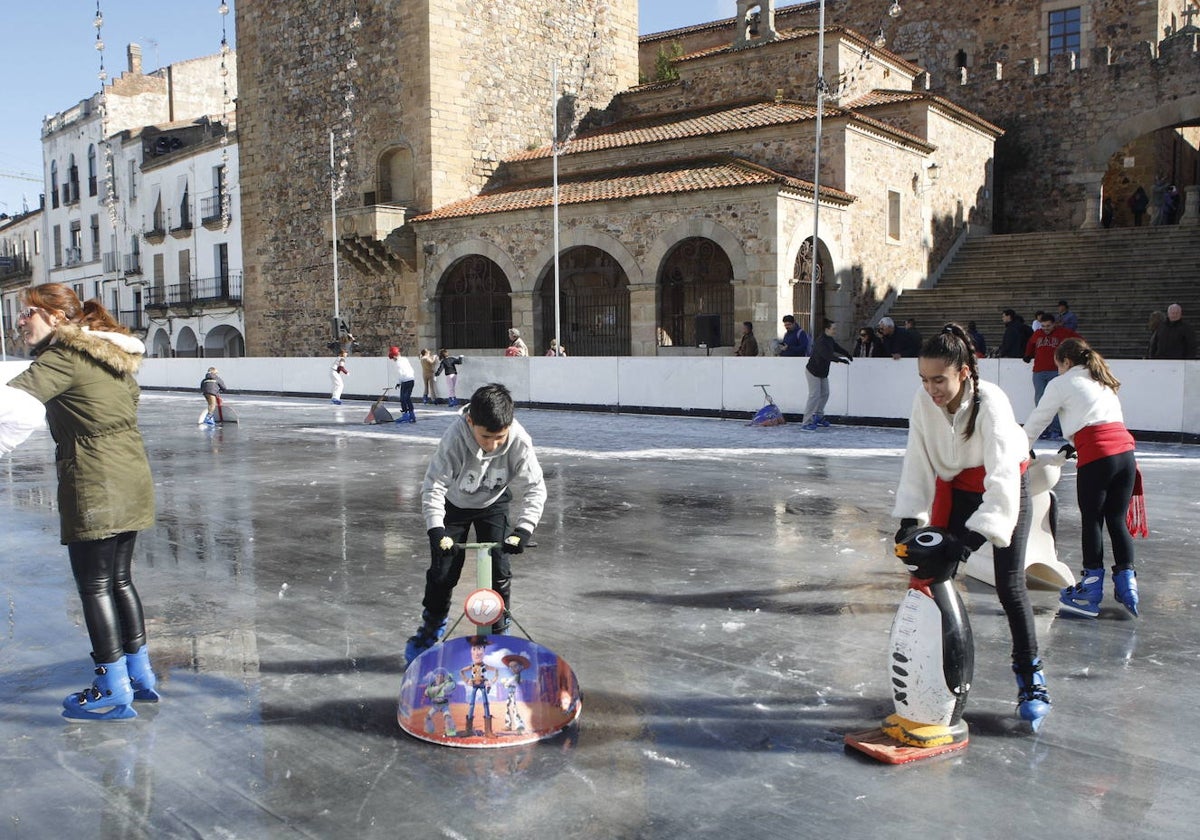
685 208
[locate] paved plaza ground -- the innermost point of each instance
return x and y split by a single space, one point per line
723 593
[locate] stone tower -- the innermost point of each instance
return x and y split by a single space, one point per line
423 99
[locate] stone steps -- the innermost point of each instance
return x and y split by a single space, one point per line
1113 280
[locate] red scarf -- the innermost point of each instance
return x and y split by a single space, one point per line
970 479
1101 440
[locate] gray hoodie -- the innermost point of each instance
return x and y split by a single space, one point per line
463 475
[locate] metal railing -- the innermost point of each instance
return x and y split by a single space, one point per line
73 256
210 206
15 265
133 263
134 319
226 289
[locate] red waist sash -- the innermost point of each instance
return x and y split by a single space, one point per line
1101 440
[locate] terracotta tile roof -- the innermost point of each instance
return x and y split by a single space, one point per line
889 97
849 35
666 178
682 125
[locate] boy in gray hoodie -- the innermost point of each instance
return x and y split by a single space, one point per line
484 460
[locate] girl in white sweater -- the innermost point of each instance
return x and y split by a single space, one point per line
1084 397
964 470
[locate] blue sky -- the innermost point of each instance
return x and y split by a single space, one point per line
56 41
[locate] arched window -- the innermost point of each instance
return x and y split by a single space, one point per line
395 177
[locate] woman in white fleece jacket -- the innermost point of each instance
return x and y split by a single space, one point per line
964 470
1084 396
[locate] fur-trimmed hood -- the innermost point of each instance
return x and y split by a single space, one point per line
119 352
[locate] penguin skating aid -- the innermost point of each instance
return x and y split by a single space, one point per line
931 658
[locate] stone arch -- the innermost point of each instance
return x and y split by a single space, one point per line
474 304
695 295
186 345
662 250
594 303
1185 109
702 228
394 182
160 345
224 341
1098 169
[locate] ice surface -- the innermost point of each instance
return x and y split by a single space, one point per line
722 592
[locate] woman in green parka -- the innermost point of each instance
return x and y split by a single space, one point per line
82 382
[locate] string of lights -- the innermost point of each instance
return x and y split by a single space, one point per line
226 102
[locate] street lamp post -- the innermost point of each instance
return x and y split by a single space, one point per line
893 11
333 176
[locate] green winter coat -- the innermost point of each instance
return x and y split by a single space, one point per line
85 380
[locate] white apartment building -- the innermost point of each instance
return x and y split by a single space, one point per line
139 210
21 265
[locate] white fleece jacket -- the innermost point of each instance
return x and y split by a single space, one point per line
1078 400
937 448
461 473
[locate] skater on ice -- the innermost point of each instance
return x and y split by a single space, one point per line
1108 485
211 386
448 365
406 379
964 471
484 459
336 374
82 383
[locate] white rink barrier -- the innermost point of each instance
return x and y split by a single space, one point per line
1157 396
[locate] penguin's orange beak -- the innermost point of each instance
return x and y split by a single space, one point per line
901 550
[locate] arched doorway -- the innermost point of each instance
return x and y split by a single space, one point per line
224 342
475 305
802 283
593 304
186 345
161 345
695 295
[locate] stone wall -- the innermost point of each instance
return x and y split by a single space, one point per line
1060 122
460 88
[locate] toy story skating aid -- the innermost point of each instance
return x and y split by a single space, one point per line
461 681
931 658
769 414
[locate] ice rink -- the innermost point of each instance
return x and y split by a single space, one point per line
723 593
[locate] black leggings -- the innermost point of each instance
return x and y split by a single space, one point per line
491 525
1104 488
112 609
1009 567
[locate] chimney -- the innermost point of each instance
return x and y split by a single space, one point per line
134 52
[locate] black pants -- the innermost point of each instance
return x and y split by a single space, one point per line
1104 488
1009 567
406 389
491 525
112 609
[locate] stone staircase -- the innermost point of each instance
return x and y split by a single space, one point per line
1113 280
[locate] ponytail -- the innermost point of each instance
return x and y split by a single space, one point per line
1080 354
